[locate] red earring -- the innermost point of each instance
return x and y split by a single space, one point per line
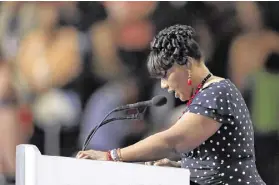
189 82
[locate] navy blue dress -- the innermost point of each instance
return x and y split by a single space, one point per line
227 157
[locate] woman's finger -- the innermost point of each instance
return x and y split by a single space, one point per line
159 163
162 162
149 163
85 157
81 154
78 154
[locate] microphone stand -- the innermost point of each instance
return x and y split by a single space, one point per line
137 116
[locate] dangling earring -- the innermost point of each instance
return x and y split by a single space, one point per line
189 82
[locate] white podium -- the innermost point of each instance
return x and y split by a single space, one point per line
32 168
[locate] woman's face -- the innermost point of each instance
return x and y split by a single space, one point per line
175 82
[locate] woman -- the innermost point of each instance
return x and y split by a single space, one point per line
214 136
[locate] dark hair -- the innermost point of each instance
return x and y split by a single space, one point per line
173 44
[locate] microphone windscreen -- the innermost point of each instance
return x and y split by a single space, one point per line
159 101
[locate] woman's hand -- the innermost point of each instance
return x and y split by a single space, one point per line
93 155
164 162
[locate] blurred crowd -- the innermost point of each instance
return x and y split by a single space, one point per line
65 65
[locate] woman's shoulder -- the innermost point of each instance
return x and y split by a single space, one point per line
220 88
217 95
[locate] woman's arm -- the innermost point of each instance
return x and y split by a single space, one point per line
188 133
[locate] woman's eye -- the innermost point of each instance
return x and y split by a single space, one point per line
165 75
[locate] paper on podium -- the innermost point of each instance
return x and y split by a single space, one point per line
32 168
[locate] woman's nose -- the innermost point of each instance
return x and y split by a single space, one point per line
163 84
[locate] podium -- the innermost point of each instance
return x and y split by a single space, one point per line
32 168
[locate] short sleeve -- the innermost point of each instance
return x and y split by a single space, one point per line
214 102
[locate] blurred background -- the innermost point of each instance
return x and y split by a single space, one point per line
65 65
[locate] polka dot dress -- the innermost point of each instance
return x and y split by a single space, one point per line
228 156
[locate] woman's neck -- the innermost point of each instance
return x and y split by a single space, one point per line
199 74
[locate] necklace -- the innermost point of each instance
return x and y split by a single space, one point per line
196 92
198 89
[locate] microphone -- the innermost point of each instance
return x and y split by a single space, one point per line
155 101
93 131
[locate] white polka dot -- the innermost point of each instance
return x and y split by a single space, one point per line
224 138
225 127
239 180
223 149
230 133
229 144
217 143
235 169
213 149
243 172
231 177
228 166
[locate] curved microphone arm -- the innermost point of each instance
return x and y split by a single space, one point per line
104 122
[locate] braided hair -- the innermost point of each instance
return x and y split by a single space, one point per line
173 44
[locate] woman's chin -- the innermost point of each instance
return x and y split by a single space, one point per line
181 97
